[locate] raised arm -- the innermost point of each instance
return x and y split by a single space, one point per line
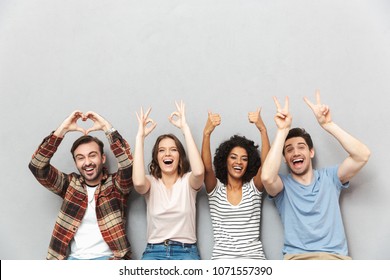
210 180
270 173
119 147
255 118
70 124
46 174
145 126
358 152
178 119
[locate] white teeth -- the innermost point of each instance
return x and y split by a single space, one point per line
237 168
297 160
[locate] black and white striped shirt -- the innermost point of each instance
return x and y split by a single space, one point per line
236 227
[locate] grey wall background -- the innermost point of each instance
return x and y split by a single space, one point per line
227 56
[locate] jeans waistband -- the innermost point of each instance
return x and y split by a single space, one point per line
169 242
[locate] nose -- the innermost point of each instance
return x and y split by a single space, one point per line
87 161
238 160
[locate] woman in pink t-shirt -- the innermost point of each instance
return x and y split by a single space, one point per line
170 189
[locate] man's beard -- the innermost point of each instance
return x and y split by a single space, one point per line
98 169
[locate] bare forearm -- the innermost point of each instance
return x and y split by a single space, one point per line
273 161
355 148
139 177
265 144
209 176
206 153
194 157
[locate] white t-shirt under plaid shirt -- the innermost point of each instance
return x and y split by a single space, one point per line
236 227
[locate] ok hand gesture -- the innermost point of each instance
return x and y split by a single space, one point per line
143 123
178 117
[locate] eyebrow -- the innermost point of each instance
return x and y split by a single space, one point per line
164 147
80 155
299 143
238 155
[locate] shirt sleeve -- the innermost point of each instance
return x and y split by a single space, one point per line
46 174
121 149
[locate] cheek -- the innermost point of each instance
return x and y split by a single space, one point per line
79 164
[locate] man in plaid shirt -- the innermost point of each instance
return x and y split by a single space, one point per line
91 223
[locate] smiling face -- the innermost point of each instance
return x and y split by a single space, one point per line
168 156
298 156
89 161
237 162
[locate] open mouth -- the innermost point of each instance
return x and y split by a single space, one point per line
89 169
297 162
168 161
238 168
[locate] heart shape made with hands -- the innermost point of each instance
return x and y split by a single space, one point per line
88 119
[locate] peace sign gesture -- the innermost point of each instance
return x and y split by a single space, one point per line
321 111
143 123
283 118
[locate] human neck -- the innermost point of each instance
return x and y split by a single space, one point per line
234 183
169 180
304 179
95 182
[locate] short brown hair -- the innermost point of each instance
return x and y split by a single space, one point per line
300 132
84 140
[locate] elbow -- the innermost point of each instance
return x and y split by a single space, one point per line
198 172
270 185
140 189
198 175
266 179
365 156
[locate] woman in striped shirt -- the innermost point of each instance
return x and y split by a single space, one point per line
235 190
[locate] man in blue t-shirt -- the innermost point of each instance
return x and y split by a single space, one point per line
308 199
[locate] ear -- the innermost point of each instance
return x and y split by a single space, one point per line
312 153
104 158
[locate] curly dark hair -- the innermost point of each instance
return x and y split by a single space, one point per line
222 153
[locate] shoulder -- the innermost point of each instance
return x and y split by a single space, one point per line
218 188
330 174
250 186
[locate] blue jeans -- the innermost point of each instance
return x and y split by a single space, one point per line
95 259
171 250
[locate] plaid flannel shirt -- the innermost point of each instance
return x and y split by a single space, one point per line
111 197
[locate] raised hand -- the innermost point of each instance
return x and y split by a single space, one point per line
178 117
321 111
213 121
145 124
255 117
283 118
99 123
70 124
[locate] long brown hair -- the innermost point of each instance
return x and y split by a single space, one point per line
184 164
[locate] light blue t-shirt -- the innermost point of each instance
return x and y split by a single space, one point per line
311 214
